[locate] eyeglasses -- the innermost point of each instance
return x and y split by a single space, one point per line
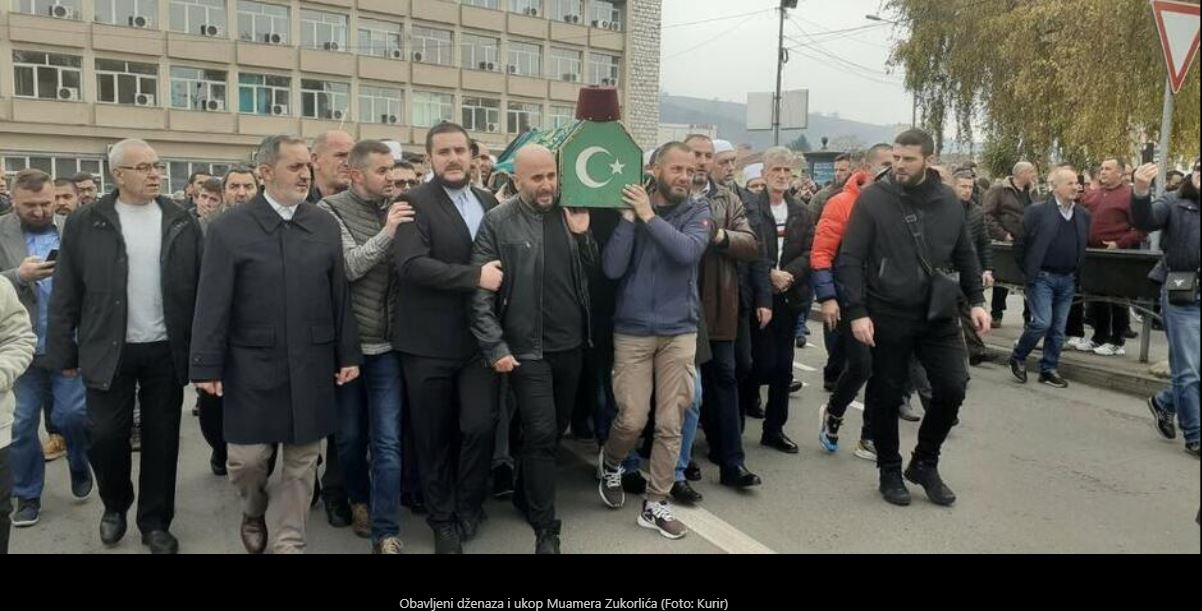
405 184
145 168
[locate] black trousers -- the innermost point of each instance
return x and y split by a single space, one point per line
721 418
212 422
856 372
836 354
749 389
148 371
773 349
940 350
1110 322
545 395
1076 321
453 409
6 501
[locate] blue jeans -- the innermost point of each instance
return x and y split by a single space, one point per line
35 388
369 411
1049 297
688 431
1182 328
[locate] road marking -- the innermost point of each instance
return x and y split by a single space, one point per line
700 522
803 367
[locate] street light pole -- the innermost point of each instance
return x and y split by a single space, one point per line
780 69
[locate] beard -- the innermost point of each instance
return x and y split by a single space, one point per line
453 185
665 190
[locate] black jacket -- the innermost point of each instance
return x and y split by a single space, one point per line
510 323
795 258
274 322
755 288
1177 218
437 278
878 263
980 234
90 290
1041 225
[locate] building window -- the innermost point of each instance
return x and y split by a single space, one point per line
534 8
525 59
197 89
323 30
481 114
524 116
63 9
136 13
605 15
380 105
430 109
47 76
480 52
178 172
259 22
564 65
122 82
603 69
325 100
568 11
202 17
492 4
264 94
562 115
380 38
59 167
431 46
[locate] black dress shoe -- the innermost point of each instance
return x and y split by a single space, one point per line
692 472
781 442
893 488
338 512
112 528
981 357
547 539
796 387
740 478
415 503
906 412
446 539
160 542
1053 379
926 474
756 411
217 465
1019 369
684 494
829 386
468 529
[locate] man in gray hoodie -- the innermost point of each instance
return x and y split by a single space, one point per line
654 253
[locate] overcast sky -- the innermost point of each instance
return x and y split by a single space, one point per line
736 53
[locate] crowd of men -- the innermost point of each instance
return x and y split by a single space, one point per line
431 344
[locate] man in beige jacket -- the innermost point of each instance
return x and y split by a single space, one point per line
17 343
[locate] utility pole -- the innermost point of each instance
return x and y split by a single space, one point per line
781 58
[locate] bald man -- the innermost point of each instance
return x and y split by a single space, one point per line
331 172
538 336
1004 204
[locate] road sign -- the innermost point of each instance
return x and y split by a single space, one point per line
794 111
1178 24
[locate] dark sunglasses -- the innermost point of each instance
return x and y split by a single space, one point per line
408 184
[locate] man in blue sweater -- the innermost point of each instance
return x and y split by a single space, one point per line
654 254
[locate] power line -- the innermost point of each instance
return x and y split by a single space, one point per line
710 40
715 19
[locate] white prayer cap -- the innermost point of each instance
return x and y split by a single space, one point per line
723 146
753 171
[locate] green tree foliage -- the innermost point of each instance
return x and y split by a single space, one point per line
1047 80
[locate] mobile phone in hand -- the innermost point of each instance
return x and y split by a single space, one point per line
53 256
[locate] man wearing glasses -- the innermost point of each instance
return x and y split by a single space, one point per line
401 178
125 286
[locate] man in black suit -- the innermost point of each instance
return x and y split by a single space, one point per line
274 334
452 390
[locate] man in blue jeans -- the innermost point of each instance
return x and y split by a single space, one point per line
1050 253
1175 215
369 408
27 238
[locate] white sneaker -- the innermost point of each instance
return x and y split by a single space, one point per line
1086 345
1110 350
1073 343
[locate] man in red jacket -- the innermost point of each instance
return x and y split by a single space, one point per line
1110 208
